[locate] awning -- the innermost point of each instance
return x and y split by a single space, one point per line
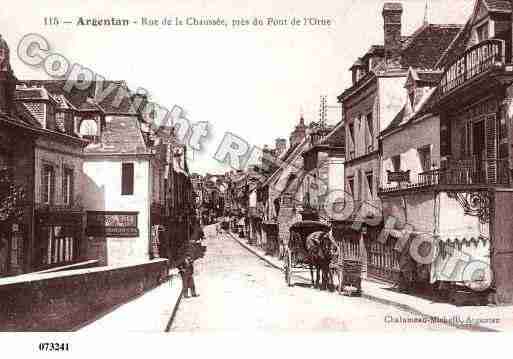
461 257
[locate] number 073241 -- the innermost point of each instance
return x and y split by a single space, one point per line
54 347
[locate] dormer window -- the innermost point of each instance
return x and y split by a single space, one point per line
482 32
89 129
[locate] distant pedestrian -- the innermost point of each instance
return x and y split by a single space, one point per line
187 273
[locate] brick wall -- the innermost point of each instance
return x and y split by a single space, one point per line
65 300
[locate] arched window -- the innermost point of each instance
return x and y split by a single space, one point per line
88 128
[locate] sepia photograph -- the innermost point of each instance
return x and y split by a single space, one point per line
267 167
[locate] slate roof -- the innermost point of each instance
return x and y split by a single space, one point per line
121 135
456 48
421 50
427 44
113 90
498 5
33 93
24 115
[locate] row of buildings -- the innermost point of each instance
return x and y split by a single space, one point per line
85 174
422 154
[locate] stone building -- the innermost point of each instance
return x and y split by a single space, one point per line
17 138
369 106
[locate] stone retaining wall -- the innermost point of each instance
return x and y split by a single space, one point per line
63 301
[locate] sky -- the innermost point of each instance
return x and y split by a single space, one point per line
253 81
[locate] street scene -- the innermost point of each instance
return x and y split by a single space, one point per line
229 275
303 180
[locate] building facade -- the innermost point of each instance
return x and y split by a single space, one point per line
369 107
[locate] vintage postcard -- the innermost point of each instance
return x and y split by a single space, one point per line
256 166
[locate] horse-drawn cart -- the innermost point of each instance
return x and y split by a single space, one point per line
308 246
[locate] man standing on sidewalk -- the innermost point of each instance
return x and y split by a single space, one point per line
187 273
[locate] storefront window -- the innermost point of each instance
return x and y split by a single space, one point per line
60 244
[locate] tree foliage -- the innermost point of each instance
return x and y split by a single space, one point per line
11 197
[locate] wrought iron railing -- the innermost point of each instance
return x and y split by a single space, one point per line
467 172
461 172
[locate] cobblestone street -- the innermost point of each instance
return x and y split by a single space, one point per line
238 291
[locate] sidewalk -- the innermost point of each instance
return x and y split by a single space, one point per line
151 312
478 318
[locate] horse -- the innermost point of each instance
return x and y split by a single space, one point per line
318 248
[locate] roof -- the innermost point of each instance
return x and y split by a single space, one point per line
121 135
33 93
424 48
112 96
425 107
498 5
459 45
24 114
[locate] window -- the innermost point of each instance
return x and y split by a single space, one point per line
370 124
127 179
351 131
482 32
350 182
67 186
370 133
352 144
425 157
60 121
88 128
60 245
370 181
47 184
396 163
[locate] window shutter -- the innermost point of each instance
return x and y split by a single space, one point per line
491 149
127 178
52 186
43 188
64 185
71 186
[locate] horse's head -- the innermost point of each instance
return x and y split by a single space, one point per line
326 245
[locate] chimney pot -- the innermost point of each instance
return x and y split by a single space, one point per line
392 14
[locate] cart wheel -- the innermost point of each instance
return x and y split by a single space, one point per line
288 268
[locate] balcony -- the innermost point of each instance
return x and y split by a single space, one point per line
475 61
468 172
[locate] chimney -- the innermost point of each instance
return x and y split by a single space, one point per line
281 145
7 79
392 13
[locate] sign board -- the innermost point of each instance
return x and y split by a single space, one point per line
112 224
398 176
476 60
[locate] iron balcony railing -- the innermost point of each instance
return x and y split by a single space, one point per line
461 172
467 172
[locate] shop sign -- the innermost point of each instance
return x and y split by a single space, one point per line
475 61
398 176
112 224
